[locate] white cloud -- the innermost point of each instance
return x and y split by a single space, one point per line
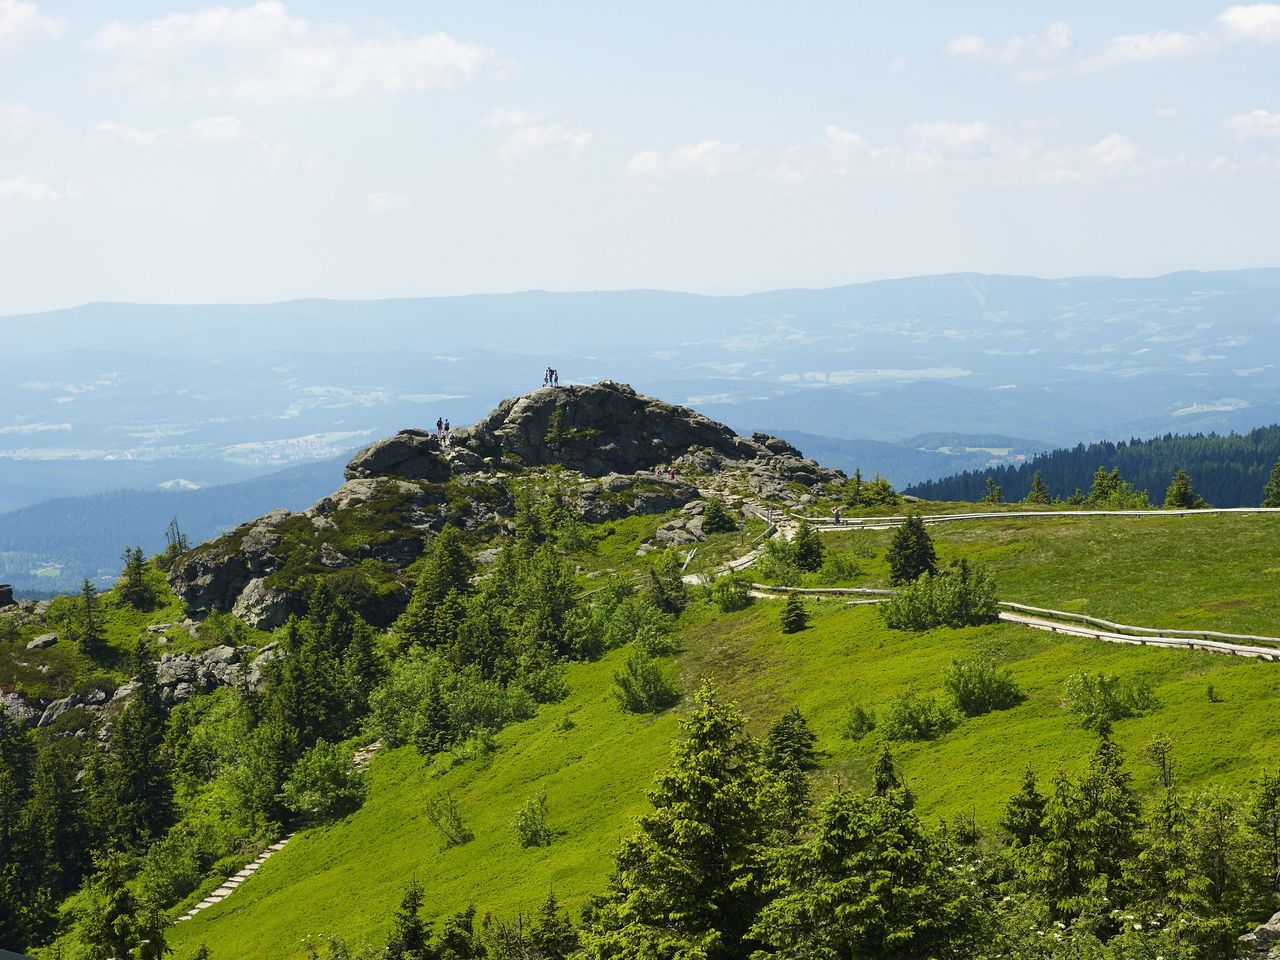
954 135
17 120
1114 151
27 189
708 158
830 155
386 203
26 429
1037 47
1254 125
543 138
261 53
1255 21
207 131
21 21
275 156
1150 47
1166 113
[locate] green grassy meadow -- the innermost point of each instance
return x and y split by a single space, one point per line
345 878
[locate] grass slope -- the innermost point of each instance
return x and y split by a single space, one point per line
345 878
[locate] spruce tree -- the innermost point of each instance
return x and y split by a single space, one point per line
410 935
1180 495
994 493
716 519
855 498
788 752
54 824
139 792
911 554
807 550
1271 492
1024 814
88 619
690 882
446 569
1039 493
132 588
794 619
871 883
552 935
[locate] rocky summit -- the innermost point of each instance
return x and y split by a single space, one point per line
618 454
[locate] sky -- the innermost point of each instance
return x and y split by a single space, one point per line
184 153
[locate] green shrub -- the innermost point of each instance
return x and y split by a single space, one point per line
806 549
910 554
716 519
958 598
978 687
324 782
777 564
839 568
859 723
643 686
731 592
794 619
911 717
1100 699
446 816
530 824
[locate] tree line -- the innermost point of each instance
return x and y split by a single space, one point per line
1229 471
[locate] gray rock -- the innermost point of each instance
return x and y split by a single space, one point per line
1261 940
224 654
16 706
261 607
412 454
56 709
42 641
124 691
160 627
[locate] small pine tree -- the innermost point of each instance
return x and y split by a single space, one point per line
1181 495
410 935
1024 813
716 519
794 618
552 935
806 550
855 499
132 588
1271 492
994 492
1039 493
89 623
1076 499
911 554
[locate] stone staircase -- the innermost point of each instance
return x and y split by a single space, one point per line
232 883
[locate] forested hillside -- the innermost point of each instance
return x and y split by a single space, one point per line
1229 471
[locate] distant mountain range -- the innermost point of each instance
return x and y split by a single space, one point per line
111 396
49 547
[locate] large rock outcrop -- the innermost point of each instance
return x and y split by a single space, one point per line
400 492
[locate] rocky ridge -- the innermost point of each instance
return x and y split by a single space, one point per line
622 453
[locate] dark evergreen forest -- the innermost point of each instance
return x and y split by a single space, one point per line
1228 471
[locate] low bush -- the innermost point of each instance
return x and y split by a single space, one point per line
911 717
978 686
731 592
324 782
859 723
958 598
530 824
1100 699
643 686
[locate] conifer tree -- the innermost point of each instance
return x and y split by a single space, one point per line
994 493
88 619
911 554
1180 495
716 519
690 882
1271 492
1039 493
1024 814
788 752
410 935
794 619
115 925
446 568
132 588
138 801
855 499
807 550
1263 819
54 824
871 884
552 935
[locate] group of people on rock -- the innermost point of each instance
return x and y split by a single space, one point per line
442 430
551 377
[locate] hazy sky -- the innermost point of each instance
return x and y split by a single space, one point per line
171 151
